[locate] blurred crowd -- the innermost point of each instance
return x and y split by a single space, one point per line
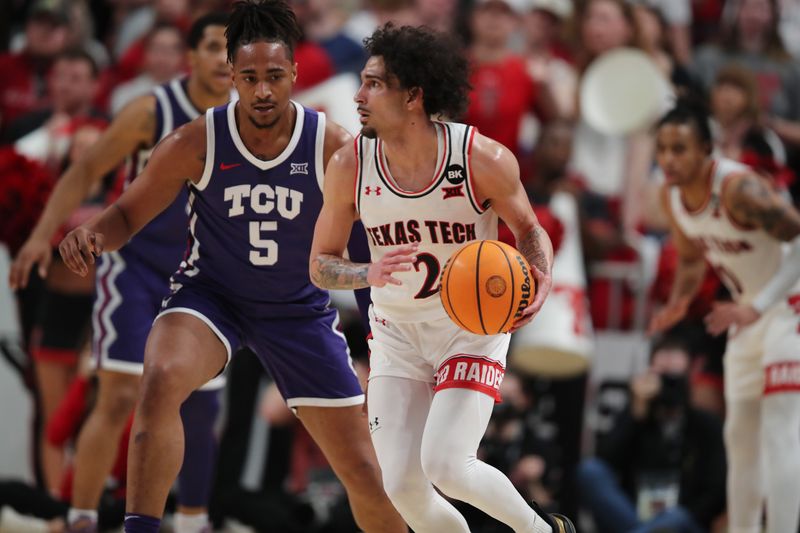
612 420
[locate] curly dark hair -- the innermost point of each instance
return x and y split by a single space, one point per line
261 20
421 57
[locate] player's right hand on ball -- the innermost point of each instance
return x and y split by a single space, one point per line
80 247
34 252
668 316
400 259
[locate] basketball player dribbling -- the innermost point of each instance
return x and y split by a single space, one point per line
423 188
254 169
725 213
132 282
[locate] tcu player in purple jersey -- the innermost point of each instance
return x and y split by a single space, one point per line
132 282
725 214
254 171
423 188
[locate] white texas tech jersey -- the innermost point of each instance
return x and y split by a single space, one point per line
745 258
441 217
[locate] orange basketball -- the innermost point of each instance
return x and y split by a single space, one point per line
485 286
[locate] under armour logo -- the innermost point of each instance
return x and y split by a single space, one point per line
368 190
381 321
373 425
299 168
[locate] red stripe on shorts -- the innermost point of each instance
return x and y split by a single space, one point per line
473 372
782 377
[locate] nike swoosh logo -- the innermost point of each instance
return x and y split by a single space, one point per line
223 166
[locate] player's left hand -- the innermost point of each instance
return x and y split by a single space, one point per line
543 283
723 315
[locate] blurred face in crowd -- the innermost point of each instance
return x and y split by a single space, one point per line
671 360
755 17
436 13
164 55
604 27
554 149
492 23
72 85
680 153
264 74
728 103
649 25
540 27
45 37
381 103
171 9
209 62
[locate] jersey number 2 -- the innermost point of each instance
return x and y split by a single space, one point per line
429 286
266 250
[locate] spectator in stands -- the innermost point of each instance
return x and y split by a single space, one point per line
23 85
326 27
45 134
502 89
749 37
164 59
614 166
677 19
549 59
314 65
654 38
661 466
736 112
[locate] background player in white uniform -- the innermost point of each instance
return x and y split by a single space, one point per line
724 213
422 189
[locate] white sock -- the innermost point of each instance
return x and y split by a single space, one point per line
74 514
190 523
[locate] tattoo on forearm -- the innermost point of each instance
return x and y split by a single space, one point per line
531 247
333 272
756 205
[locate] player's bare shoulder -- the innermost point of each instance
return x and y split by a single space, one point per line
753 201
336 137
343 164
493 166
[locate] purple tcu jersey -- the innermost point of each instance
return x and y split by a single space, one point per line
162 242
252 221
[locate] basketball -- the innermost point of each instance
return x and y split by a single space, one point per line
485 286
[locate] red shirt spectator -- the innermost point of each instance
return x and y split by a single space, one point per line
502 93
23 86
314 65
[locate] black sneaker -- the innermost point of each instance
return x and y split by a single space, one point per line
559 522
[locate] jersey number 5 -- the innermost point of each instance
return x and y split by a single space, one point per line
266 252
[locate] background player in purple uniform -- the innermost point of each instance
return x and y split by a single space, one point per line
131 283
254 170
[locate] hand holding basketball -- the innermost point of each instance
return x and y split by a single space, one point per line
543 283
80 247
487 288
398 260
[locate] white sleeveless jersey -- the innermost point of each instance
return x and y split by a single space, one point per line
745 258
441 217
